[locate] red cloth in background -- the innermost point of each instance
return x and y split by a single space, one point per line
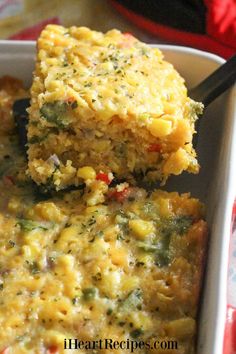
221 21
220 37
32 33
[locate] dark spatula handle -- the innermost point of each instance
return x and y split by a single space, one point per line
215 84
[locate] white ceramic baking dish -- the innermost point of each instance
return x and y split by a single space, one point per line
215 185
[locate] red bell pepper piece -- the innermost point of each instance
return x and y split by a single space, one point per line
103 177
154 148
53 349
120 196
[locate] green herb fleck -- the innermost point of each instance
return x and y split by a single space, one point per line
20 338
74 104
109 312
75 300
97 276
91 221
56 113
51 260
136 333
179 225
121 323
100 234
29 225
35 139
120 237
133 300
148 208
147 247
89 294
195 110
144 51
175 225
11 243
33 267
162 258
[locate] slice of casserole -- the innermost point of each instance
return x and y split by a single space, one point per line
108 101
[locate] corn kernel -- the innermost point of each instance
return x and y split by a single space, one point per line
129 283
164 207
55 338
182 133
69 233
98 209
110 283
49 211
26 251
13 321
160 127
14 205
68 236
140 320
141 228
176 163
96 194
86 172
145 259
66 262
119 256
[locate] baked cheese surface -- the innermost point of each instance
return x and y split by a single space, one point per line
108 74
102 262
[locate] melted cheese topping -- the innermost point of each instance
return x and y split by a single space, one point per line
108 74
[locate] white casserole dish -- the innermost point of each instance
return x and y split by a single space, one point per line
214 185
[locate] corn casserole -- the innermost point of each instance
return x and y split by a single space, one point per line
106 261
